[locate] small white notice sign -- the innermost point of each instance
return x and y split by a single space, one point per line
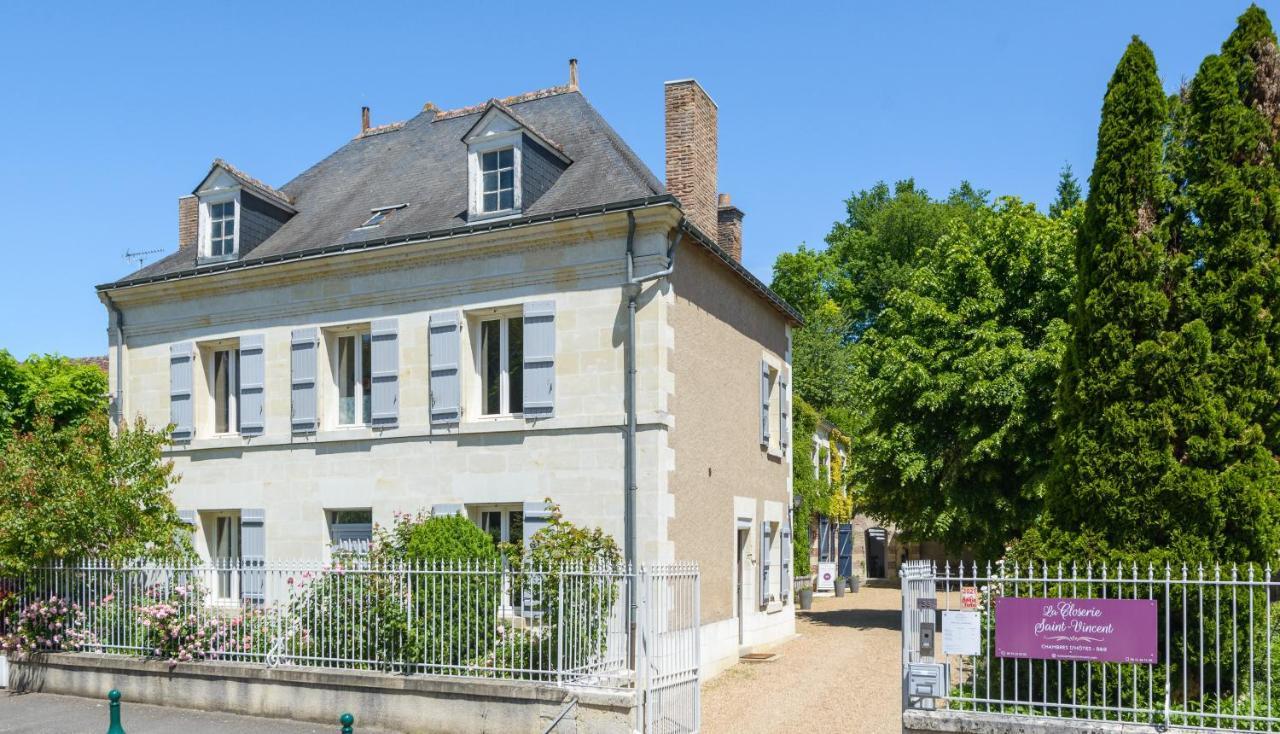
826 576
961 633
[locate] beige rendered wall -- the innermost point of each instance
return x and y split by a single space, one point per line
722 330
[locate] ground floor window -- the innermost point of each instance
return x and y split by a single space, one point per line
223 529
351 531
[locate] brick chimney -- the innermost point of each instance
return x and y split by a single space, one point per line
691 152
364 120
188 223
729 227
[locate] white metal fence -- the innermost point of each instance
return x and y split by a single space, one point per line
561 625
1216 630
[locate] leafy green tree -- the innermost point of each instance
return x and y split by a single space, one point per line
1068 192
86 491
874 250
960 369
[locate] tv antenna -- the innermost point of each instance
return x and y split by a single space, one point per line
140 256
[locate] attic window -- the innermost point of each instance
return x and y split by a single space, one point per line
222 228
497 167
379 215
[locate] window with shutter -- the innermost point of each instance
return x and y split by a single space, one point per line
303 378
252 405
180 385
764 403
445 387
785 550
764 564
253 555
539 359
385 373
784 403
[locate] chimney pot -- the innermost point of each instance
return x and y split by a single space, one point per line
364 120
724 201
691 152
573 74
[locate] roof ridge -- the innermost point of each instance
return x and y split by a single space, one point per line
514 99
390 127
246 178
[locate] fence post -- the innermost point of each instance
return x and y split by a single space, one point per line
115 728
560 626
347 720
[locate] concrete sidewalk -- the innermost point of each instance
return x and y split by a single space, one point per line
44 713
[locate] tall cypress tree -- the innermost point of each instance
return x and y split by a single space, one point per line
1233 193
1130 395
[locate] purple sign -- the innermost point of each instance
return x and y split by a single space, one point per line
1103 630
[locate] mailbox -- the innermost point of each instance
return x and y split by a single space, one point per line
927 680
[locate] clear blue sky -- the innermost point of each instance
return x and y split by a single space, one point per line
111 112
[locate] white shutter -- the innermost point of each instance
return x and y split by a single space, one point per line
764 403
304 344
445 347
253 555
384 373
252 384
180 383
539 359
784 408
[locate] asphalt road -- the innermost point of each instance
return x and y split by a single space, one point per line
44 713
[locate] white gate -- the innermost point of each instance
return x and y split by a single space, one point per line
668 624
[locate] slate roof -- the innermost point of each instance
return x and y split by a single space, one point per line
423 162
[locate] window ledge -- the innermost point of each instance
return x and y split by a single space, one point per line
774 453
494 216
344 433
774 607
211 259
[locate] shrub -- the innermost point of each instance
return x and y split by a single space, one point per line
445 538
50 625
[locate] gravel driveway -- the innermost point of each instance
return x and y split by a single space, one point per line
840 675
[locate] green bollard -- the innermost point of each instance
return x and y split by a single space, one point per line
346 720
115 727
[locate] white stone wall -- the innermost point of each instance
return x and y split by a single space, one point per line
575 458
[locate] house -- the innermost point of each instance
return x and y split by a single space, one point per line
472 311
856 543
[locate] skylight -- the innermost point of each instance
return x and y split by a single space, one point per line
380 214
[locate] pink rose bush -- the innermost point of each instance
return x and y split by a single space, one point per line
48 625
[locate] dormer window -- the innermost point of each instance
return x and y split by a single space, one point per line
499 180
222 228
236 213
509 164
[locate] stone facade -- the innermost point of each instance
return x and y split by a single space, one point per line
700 338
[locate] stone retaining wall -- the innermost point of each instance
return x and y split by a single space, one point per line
972 722
425 704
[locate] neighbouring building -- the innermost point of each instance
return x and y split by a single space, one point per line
440 316
862 545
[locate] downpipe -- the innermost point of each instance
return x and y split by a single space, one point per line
633 289
119 327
